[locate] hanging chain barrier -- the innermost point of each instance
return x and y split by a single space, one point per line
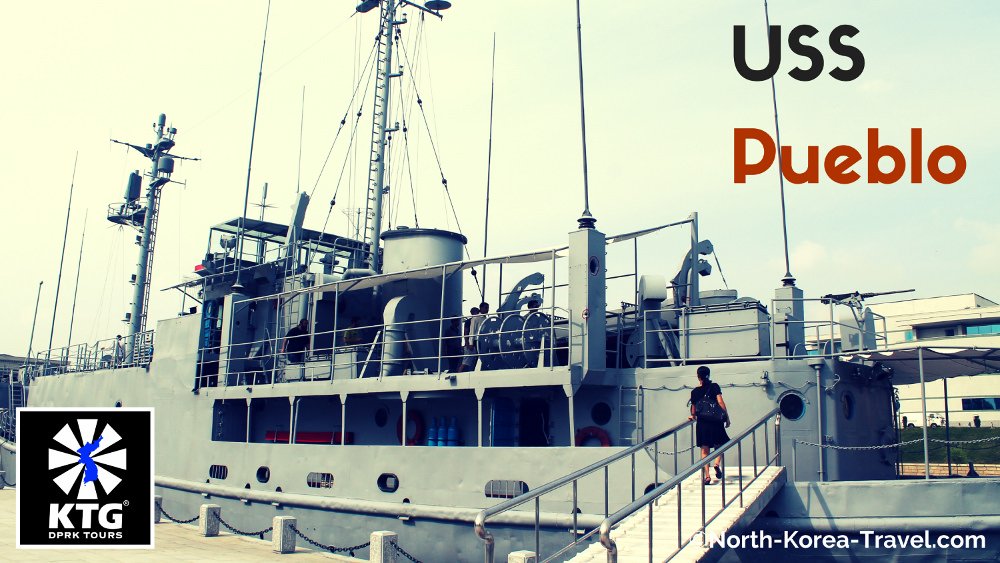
171 518
678 452
331 548
906 443
239 532
402 552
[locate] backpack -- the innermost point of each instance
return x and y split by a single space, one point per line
707 409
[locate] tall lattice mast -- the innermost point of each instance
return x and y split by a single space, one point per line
380 119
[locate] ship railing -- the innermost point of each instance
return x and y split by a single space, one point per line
650 499
826 331
7 429
429 346
768 333
108 353
652 446
682 337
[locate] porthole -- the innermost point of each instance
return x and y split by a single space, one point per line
388 482
218 472
792 406
263 474
381 417
594 266
601 414
505 488
318 480
118 404
847 404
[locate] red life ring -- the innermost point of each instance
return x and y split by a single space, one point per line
416 420
584 434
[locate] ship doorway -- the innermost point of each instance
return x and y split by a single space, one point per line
534 423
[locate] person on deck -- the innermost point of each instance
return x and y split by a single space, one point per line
296 342
709 432
453 346
471 333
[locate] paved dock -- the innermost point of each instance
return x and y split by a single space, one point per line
632 535
174 542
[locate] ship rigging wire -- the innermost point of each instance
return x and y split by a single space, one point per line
357 86
434 148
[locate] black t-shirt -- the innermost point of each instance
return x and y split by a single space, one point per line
698 392
296 340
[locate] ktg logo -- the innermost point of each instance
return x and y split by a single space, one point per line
85 478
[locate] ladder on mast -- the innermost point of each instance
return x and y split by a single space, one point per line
377 153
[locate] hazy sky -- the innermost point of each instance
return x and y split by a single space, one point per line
663 98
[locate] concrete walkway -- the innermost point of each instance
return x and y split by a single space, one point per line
174 542
632 535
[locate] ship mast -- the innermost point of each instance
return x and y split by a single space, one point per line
144 219
380 129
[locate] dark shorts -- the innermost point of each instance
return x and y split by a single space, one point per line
296 357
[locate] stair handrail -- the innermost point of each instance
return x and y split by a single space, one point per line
608 524
480 522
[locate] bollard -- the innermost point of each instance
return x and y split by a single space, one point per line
383 547
522 557
208 520
283 536
157 511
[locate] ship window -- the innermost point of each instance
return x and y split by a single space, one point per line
319 480
218 472
792 406
601 413
263 474
505 488
388 482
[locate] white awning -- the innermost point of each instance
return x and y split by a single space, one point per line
939 362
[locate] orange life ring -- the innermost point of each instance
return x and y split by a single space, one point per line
413 417
584 434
